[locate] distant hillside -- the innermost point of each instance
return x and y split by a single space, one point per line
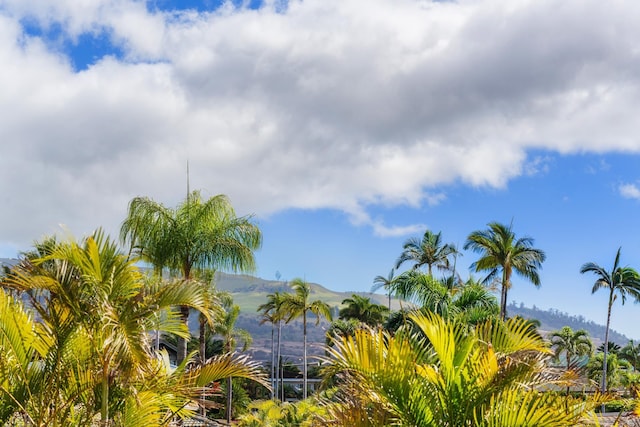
552 319
250 292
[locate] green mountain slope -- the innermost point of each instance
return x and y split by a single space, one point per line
250 292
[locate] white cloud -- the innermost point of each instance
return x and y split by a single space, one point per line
629 191
332 103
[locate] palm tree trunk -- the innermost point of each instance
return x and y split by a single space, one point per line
201 341
304 358
278 361
104 410
273 359
182 343
503 294
566 398
229 399
603 387
203 359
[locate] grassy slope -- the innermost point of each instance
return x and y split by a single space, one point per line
250 292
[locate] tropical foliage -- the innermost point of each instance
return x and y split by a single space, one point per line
305 413
88 360
456 376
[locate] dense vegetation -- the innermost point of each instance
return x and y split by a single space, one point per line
87 338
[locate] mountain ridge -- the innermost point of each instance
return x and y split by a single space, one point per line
249 292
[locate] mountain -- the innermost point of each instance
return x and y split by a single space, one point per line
250 292
552 319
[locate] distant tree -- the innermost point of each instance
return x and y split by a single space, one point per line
631 353
429 251
620 281
230 336
573 344
614 369
470 301
298 305
363 310
502 253
272 312
341 328
384 282
611 348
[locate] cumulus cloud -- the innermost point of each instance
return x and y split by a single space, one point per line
629 191
318 103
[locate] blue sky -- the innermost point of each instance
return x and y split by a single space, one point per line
344 126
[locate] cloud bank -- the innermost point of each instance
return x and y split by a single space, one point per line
340 104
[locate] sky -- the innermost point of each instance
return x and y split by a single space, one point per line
344 127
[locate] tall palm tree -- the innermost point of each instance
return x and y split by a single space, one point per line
363 310
272 313
502 253
230 335
384 282
298 305
573 344
197 234
427 251
620 281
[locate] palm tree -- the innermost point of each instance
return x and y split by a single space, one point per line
363 310
298 305
574 344
272 313
631 353
620 281
341 328
230 334
502 253
470 300
197 234
427 251
384 282
611 348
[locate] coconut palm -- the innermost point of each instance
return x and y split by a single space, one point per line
272 313
427 251
384 282
458 377
363 310
197 234
502 253
230 336
620 281
298 305
574 344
